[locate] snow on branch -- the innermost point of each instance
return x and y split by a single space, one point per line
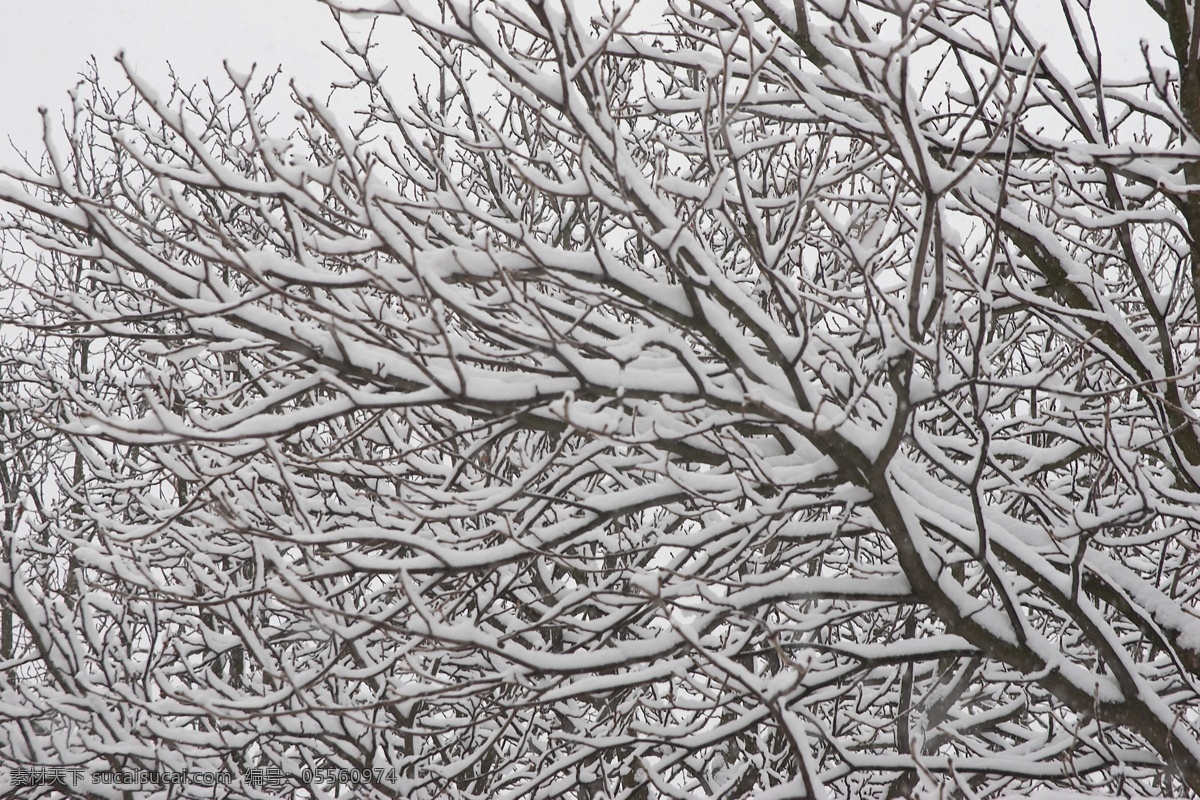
711 399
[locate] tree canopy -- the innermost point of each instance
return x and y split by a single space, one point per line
747 399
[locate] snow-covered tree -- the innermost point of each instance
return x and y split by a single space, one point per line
722 399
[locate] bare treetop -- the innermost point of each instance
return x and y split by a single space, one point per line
709 399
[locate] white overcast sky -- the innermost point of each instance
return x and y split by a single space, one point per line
44 44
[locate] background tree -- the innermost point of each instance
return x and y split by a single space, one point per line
713 399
